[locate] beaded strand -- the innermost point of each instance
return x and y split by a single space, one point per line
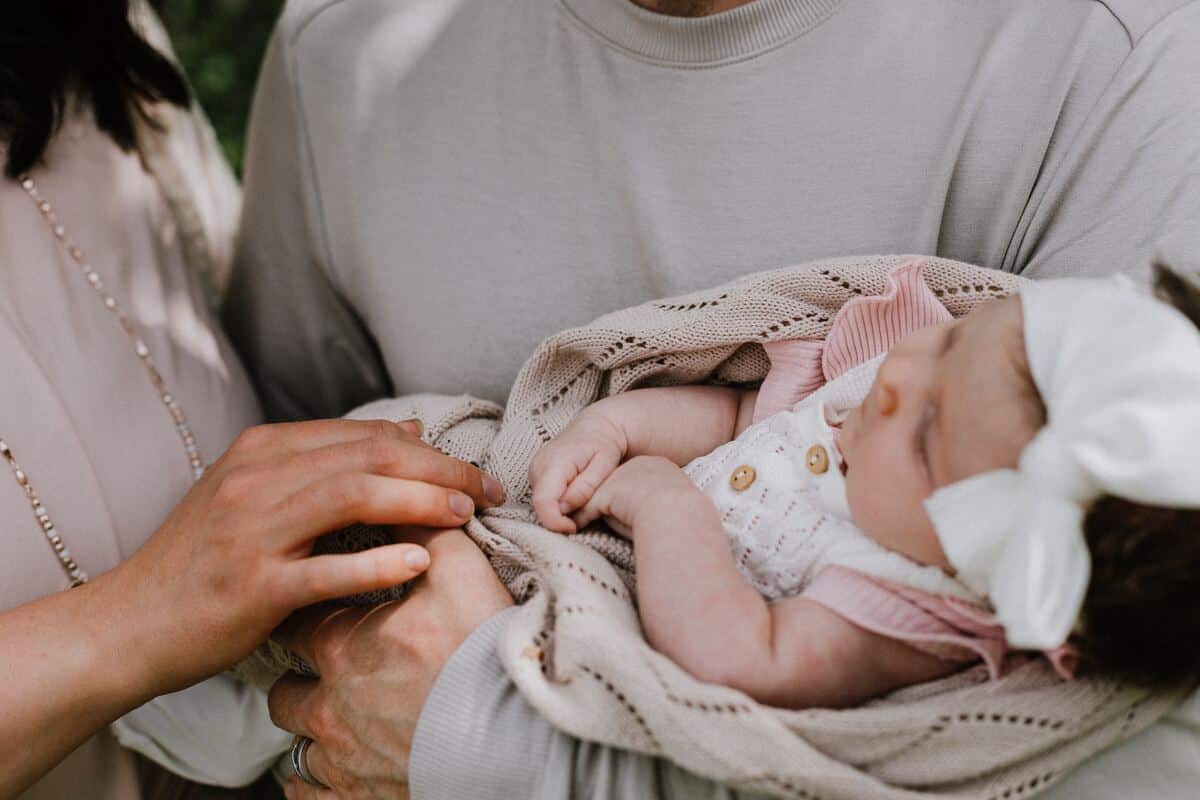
183 429
74 573
139 345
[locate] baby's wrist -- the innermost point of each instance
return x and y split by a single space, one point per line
670 502
599 423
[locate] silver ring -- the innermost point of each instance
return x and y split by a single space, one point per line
300 747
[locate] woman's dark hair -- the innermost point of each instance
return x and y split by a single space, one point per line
1141 616
57 51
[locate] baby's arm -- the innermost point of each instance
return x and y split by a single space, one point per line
678 423
697 609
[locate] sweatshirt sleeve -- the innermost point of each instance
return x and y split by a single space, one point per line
307 351
1128 189
478 738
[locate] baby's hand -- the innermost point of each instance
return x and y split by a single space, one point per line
566 473
639 486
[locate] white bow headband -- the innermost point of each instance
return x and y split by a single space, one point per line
1119 374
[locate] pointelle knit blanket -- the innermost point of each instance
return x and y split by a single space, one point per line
575 649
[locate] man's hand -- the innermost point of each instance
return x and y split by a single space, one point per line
377 668
636 487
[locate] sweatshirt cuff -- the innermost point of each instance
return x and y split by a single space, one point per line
476 736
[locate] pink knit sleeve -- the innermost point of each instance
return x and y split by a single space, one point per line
864 328
945 627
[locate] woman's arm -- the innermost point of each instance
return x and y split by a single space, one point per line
223 571
71 664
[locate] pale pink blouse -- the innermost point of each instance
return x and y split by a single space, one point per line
76 405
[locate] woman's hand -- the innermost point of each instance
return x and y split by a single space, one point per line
232 561
377 668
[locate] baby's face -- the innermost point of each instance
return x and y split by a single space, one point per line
950 401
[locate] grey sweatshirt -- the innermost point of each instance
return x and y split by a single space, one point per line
434 187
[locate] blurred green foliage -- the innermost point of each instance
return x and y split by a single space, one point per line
221 43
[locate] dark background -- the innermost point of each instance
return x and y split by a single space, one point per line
221 43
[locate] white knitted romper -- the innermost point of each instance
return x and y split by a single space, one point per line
782 498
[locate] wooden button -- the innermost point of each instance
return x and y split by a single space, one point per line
742 478
817 460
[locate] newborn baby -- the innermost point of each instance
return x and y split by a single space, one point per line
733 522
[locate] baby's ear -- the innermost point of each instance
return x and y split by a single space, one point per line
1180 289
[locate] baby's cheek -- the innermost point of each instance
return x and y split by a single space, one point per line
892 519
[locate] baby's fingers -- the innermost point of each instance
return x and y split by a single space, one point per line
593 510
583 487
548 487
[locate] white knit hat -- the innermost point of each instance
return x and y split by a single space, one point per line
1119 374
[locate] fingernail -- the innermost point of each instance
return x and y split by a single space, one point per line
414 425
417 559
461 505
493 490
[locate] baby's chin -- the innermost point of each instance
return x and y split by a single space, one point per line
848 423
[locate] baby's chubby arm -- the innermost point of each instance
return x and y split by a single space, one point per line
697 609
678 423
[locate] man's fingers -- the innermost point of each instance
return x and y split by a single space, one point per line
296 789
304 627
320 578
341 500
290 703
318 767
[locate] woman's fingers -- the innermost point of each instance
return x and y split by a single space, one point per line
319 578
267 443
340 500
406 458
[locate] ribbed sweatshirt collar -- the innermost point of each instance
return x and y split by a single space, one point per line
734 35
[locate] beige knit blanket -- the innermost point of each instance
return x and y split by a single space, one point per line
575 647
